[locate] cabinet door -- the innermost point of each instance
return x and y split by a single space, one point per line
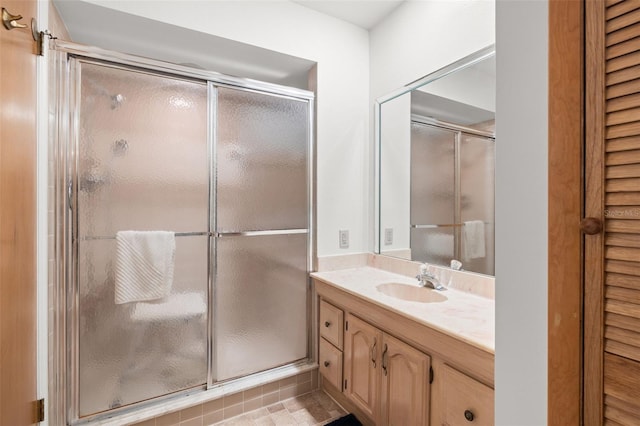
404 384
361 362
465 400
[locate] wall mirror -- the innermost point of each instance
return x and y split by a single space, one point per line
435 158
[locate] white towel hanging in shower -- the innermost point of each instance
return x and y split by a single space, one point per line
144 265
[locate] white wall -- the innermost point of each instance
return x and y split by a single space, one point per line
420 37
521 212
395 185
343 126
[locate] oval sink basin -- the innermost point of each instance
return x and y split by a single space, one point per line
411 293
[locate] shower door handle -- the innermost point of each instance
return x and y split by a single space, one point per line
70 195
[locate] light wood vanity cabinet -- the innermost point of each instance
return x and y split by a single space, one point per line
405 384
384 377
362 364
386 381
331 324
331 363
331 340
464 400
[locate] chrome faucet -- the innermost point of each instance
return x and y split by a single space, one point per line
456 265
428 280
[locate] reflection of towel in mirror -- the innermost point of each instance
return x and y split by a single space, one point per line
144 265
473 239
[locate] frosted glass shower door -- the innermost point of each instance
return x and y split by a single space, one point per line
261 284
141 155
433 194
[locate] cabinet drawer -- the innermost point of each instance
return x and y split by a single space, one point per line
331 363
466 401
331 320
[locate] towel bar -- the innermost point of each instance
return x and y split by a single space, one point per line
178 234
445 225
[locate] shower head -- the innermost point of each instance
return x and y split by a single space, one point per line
116 101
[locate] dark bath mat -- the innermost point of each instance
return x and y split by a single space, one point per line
348 420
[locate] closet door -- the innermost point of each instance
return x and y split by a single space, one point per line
612 196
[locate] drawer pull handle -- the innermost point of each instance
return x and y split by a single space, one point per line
468 414
327 324
327 363
373 352
384 359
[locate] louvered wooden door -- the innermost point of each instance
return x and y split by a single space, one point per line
612 195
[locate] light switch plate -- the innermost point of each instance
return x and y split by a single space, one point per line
388 236
344 238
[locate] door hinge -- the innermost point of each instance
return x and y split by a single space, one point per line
39 410
430 375
346 326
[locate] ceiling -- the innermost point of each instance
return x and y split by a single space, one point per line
110 29
363 13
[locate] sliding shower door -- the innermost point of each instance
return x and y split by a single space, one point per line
262 227
183 214
140 164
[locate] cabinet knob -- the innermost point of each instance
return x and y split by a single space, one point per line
468 414
327 363
591 225
327 323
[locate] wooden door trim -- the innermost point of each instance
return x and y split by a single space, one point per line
18 295
565 210
594 207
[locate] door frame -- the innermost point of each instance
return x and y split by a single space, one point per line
565 250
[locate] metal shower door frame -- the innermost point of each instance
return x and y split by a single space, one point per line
63 299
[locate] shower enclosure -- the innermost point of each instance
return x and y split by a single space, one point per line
452 185
223 163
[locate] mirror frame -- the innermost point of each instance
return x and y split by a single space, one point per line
458 65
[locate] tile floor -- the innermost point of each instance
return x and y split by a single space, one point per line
310 409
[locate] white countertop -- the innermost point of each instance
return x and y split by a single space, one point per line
464 316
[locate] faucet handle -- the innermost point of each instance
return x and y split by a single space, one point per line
456 265
423 269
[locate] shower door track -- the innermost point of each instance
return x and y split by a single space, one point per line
63 388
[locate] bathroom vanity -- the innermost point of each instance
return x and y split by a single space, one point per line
395 353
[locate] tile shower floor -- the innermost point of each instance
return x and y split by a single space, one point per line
315 408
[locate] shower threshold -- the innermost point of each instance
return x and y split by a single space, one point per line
194 397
